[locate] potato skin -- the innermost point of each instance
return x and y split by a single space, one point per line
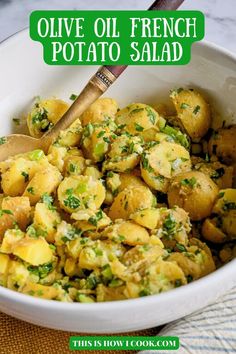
223 144
195 192
193 112
99 111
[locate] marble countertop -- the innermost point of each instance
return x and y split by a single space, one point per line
220 15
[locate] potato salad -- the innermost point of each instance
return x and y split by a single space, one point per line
126 203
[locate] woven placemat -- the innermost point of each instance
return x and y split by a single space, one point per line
18 337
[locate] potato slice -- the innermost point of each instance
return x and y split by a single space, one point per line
44 181
33 251
162 162
212 233
44 115
80 192
148 218
193 112
128 233
195 192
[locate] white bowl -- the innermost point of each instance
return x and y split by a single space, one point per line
24 75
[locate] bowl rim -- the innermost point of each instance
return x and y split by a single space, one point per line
173 294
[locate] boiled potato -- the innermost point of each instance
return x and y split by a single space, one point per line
124 154
138 119
11 237
196 262
56 156
80 192
127 232
15 211
130 200
44 181
74 165
221 174
211 232
148 218
100 111
33 251
96 141
18 172
44 116
43 291
194 192
46 218
222 144
162 162
18 275
193 112
71 136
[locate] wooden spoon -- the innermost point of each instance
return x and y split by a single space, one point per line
97 85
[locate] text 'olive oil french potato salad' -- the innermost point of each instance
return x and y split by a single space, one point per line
127 203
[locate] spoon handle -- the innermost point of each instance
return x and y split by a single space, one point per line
97 85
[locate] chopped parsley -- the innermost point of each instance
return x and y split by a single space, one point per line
30 190
101 133
72 167
25 175
5 211
151 115
3 140
16 121
169 225
178 283
138 127
72 234
181 247
93 220
73 97
48 200
145 163
144 292
196 109
41 271
72 202
190 182
221 194
40 119
184 105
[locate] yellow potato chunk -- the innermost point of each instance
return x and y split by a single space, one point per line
4 266
72 135
226 201
124 154
17 172
195 192
33 251
193 112
38 290
10 239
162 162
44 181
44 115
211 232
138 119
46 219
148 218
80 192
130 200
128 232
15 210
100 111
222 144
18 275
